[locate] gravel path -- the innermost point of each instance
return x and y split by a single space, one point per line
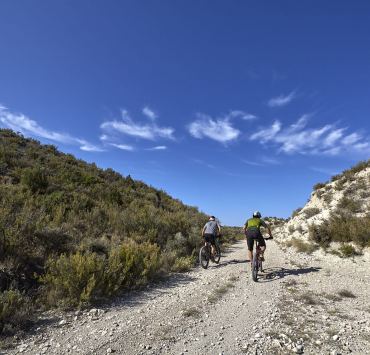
294 308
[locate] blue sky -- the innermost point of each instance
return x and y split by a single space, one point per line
231 106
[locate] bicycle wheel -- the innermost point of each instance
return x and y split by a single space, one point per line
203 257
217 254
255 268
260 265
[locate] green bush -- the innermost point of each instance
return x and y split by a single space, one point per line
296 211
339 186
35 179
74 280
131 264
342 228
310 212
328 197
319 186
15 310
183 264
320 234
347 250
301 246
349 204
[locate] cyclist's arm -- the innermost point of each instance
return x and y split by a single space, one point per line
204 228
265 225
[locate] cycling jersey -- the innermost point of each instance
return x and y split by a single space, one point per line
255 223
211 227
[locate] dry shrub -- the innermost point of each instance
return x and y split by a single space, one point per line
15 310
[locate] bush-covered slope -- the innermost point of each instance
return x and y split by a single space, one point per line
81 232
337 211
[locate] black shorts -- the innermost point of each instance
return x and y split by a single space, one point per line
252 235
210 238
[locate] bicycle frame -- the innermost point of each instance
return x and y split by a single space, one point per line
257 262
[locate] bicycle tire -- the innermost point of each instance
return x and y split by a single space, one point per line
255 268
203 257
255 271
217 256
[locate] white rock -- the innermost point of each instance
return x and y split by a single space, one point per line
62 322
335 337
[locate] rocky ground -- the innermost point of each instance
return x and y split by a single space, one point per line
301 304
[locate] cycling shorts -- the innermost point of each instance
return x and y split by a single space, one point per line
210 238
252 235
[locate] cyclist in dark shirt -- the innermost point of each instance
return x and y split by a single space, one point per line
252 231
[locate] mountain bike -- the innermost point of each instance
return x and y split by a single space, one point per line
205 254
257 261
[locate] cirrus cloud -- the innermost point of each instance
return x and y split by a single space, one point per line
21 123
127 126
219 129
282 100
298 138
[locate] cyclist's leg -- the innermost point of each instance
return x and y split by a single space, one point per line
262 244
250 242
213 245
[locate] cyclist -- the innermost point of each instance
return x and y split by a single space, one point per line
210 231
252 231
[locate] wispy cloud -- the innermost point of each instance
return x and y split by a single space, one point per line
298 138
241 114
21 123
262 161
158 147
219 129
123 146
127 126
148 112
282 100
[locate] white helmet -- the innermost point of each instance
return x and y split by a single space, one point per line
256 214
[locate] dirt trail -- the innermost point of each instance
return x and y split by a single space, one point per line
294 308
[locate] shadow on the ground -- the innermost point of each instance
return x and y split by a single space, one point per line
276 273
233 261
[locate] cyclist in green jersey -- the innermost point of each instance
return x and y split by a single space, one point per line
252 232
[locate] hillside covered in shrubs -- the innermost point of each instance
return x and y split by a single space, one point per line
337 215
72 234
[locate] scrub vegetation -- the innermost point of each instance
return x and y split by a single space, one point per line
72 234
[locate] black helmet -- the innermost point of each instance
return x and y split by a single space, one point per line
212 218
256 214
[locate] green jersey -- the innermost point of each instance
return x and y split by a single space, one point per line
255 223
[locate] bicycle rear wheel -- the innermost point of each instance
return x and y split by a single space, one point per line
217 256
255 267
204 257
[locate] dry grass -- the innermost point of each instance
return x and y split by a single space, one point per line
309 298
301 246
346 294
191 312
218 292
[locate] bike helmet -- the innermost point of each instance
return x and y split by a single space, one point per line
212 218
256 214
